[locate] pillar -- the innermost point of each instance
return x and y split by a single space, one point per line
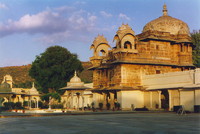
170 100
30 102
78 96
71 101
151 100
37 103
159 99
82 95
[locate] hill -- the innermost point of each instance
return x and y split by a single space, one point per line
21 77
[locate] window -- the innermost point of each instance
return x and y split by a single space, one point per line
103 53
157 47
127 45
158 72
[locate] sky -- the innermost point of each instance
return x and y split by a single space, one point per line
29 27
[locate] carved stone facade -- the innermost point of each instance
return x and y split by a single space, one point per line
164 46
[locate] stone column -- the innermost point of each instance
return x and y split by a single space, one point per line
78 96
151 99
159 99
170 100
37 103
71 101
82 95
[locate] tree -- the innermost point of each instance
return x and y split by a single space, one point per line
196 50
55 96
53 68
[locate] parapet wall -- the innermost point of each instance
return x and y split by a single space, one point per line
171 80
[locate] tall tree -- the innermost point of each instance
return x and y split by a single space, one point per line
196 50
53 68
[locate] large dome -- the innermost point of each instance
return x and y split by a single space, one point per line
167 23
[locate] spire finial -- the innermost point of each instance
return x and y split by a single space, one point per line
165 10
75 73
33 85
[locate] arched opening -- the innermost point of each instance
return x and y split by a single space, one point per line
164 99
127 45
102 53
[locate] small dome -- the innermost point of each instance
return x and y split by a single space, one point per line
167 23
100 39
75 79
33 90
125 27
123 30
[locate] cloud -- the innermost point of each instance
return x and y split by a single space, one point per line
55 38
54 25
80 3
3 6
124 16
105 14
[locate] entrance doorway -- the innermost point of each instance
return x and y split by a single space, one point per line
164 99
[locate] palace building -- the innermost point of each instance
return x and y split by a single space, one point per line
160 55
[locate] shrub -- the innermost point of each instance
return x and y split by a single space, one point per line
100 106
108 106
25 103
9 105
57 106
18 105
118 106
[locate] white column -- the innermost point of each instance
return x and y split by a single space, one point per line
179 97
71 101
159 99
82 95
150 99
37 103
170 100
78 96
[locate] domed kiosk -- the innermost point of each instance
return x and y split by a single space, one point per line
75 95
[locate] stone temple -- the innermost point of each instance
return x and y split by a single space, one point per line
152 69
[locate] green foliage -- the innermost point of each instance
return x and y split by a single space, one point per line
27 84
18 105
196 50
56 96
100 106
57 106
12 105
53 68
108 106
9 105
25 103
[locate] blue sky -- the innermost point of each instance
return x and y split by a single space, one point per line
28 27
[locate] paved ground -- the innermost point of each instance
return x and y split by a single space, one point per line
126 123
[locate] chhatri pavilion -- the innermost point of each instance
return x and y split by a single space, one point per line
76 96
8 93
153 69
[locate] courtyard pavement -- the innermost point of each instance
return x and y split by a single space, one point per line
103 123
